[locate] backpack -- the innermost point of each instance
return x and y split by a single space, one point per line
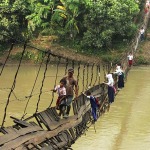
97 101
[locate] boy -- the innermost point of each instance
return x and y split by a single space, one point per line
94 105
130 59
61 101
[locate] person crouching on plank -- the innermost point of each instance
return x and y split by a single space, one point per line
94 105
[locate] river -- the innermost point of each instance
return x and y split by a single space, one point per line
24 84
125 127
127 124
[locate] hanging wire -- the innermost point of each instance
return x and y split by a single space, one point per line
91 74
107 68
59 58
104 72
87 78
13 86
12 45
73 64
78 75
48 59
97 74
67 62
83 77
29 97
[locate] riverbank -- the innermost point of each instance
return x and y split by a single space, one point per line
33 55
142 56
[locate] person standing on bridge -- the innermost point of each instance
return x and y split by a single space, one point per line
142 31
61 100
119 72
71 88
111 91
130 59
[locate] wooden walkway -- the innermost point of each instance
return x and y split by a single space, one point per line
45 131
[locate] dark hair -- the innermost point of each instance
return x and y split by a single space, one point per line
88 93
71 70
119 64
63 81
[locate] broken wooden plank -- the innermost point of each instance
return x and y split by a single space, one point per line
9 137
9 130
13 144
72 122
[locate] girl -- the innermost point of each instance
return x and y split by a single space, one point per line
120 74
110 84
61 101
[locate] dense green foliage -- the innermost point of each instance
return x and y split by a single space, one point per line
92 24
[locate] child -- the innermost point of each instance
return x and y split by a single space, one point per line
130 59
110 84
94 105
119 72
61 101
142 30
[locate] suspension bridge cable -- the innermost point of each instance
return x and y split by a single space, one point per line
7 58
29 97
73 64
13 86
44 76
83 77
55 81
22 98
91 74
97 74
78 75
87 77
66 67
104 72
31 46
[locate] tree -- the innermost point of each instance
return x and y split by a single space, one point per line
108 19
41 12
12 19
69 16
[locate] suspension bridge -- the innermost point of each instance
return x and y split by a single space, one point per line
44 129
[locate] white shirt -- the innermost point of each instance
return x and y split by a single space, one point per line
130 57
110 80
60 90
142 31
147 3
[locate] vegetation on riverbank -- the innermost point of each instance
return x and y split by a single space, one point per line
102 28
142 56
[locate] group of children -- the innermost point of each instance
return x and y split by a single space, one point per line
61 102
120 74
